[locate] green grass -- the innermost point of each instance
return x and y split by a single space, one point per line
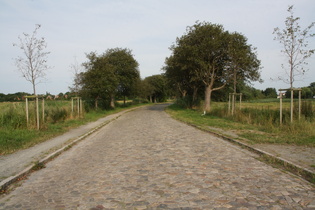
252 131
13 139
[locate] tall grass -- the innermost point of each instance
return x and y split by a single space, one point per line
15 135
257 121
13 115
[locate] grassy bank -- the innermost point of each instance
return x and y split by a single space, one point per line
247 126
14 135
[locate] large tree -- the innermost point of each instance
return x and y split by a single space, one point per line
179 78
156 88
115 71
126 70
203 52
207 54
243 60
33 64
99 81
294 41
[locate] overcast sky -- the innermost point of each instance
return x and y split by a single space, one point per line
72 28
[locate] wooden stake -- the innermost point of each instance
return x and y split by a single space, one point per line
26 109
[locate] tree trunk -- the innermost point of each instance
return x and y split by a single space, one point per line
195 92
112 101
34 89
96 103
184 93
208 92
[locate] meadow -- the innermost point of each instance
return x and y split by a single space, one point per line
15 134
256 122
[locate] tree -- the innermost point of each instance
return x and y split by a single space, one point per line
203 52
270 93
243 60
210 56
126 70
34 64
179 78
312 87
157 87
76 69
115 71
294 42
99 81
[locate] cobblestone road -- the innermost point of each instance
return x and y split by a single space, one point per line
146 160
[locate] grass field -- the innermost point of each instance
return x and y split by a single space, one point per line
15 135
257 122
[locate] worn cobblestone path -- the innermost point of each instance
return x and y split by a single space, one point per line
146 160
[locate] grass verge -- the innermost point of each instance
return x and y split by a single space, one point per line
12 139
296 134
250 134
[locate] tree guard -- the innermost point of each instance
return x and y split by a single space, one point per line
78 105
291 107
232 105
36 109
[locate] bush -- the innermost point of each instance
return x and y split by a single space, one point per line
57 114
187 102
13 118
307 110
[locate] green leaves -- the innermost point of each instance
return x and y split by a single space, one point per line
111 73
207 55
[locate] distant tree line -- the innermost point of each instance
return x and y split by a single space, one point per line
114 75
20 96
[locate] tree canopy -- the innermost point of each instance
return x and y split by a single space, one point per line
107 75
207 56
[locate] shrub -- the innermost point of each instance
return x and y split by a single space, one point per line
58 114
307 110
13 117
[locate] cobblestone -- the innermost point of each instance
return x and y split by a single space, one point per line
146 160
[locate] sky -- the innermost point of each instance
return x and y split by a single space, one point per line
73 28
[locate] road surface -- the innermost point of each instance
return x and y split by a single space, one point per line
147 160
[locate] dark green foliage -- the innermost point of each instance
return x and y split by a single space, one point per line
13 117
156 88
307 110
207 59
270 93
57 114
114 73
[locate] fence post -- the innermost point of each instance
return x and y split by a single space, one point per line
37 113
26 109
280 108
81 108
299 104
43 109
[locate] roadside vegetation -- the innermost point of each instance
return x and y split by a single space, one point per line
15 135
256 123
